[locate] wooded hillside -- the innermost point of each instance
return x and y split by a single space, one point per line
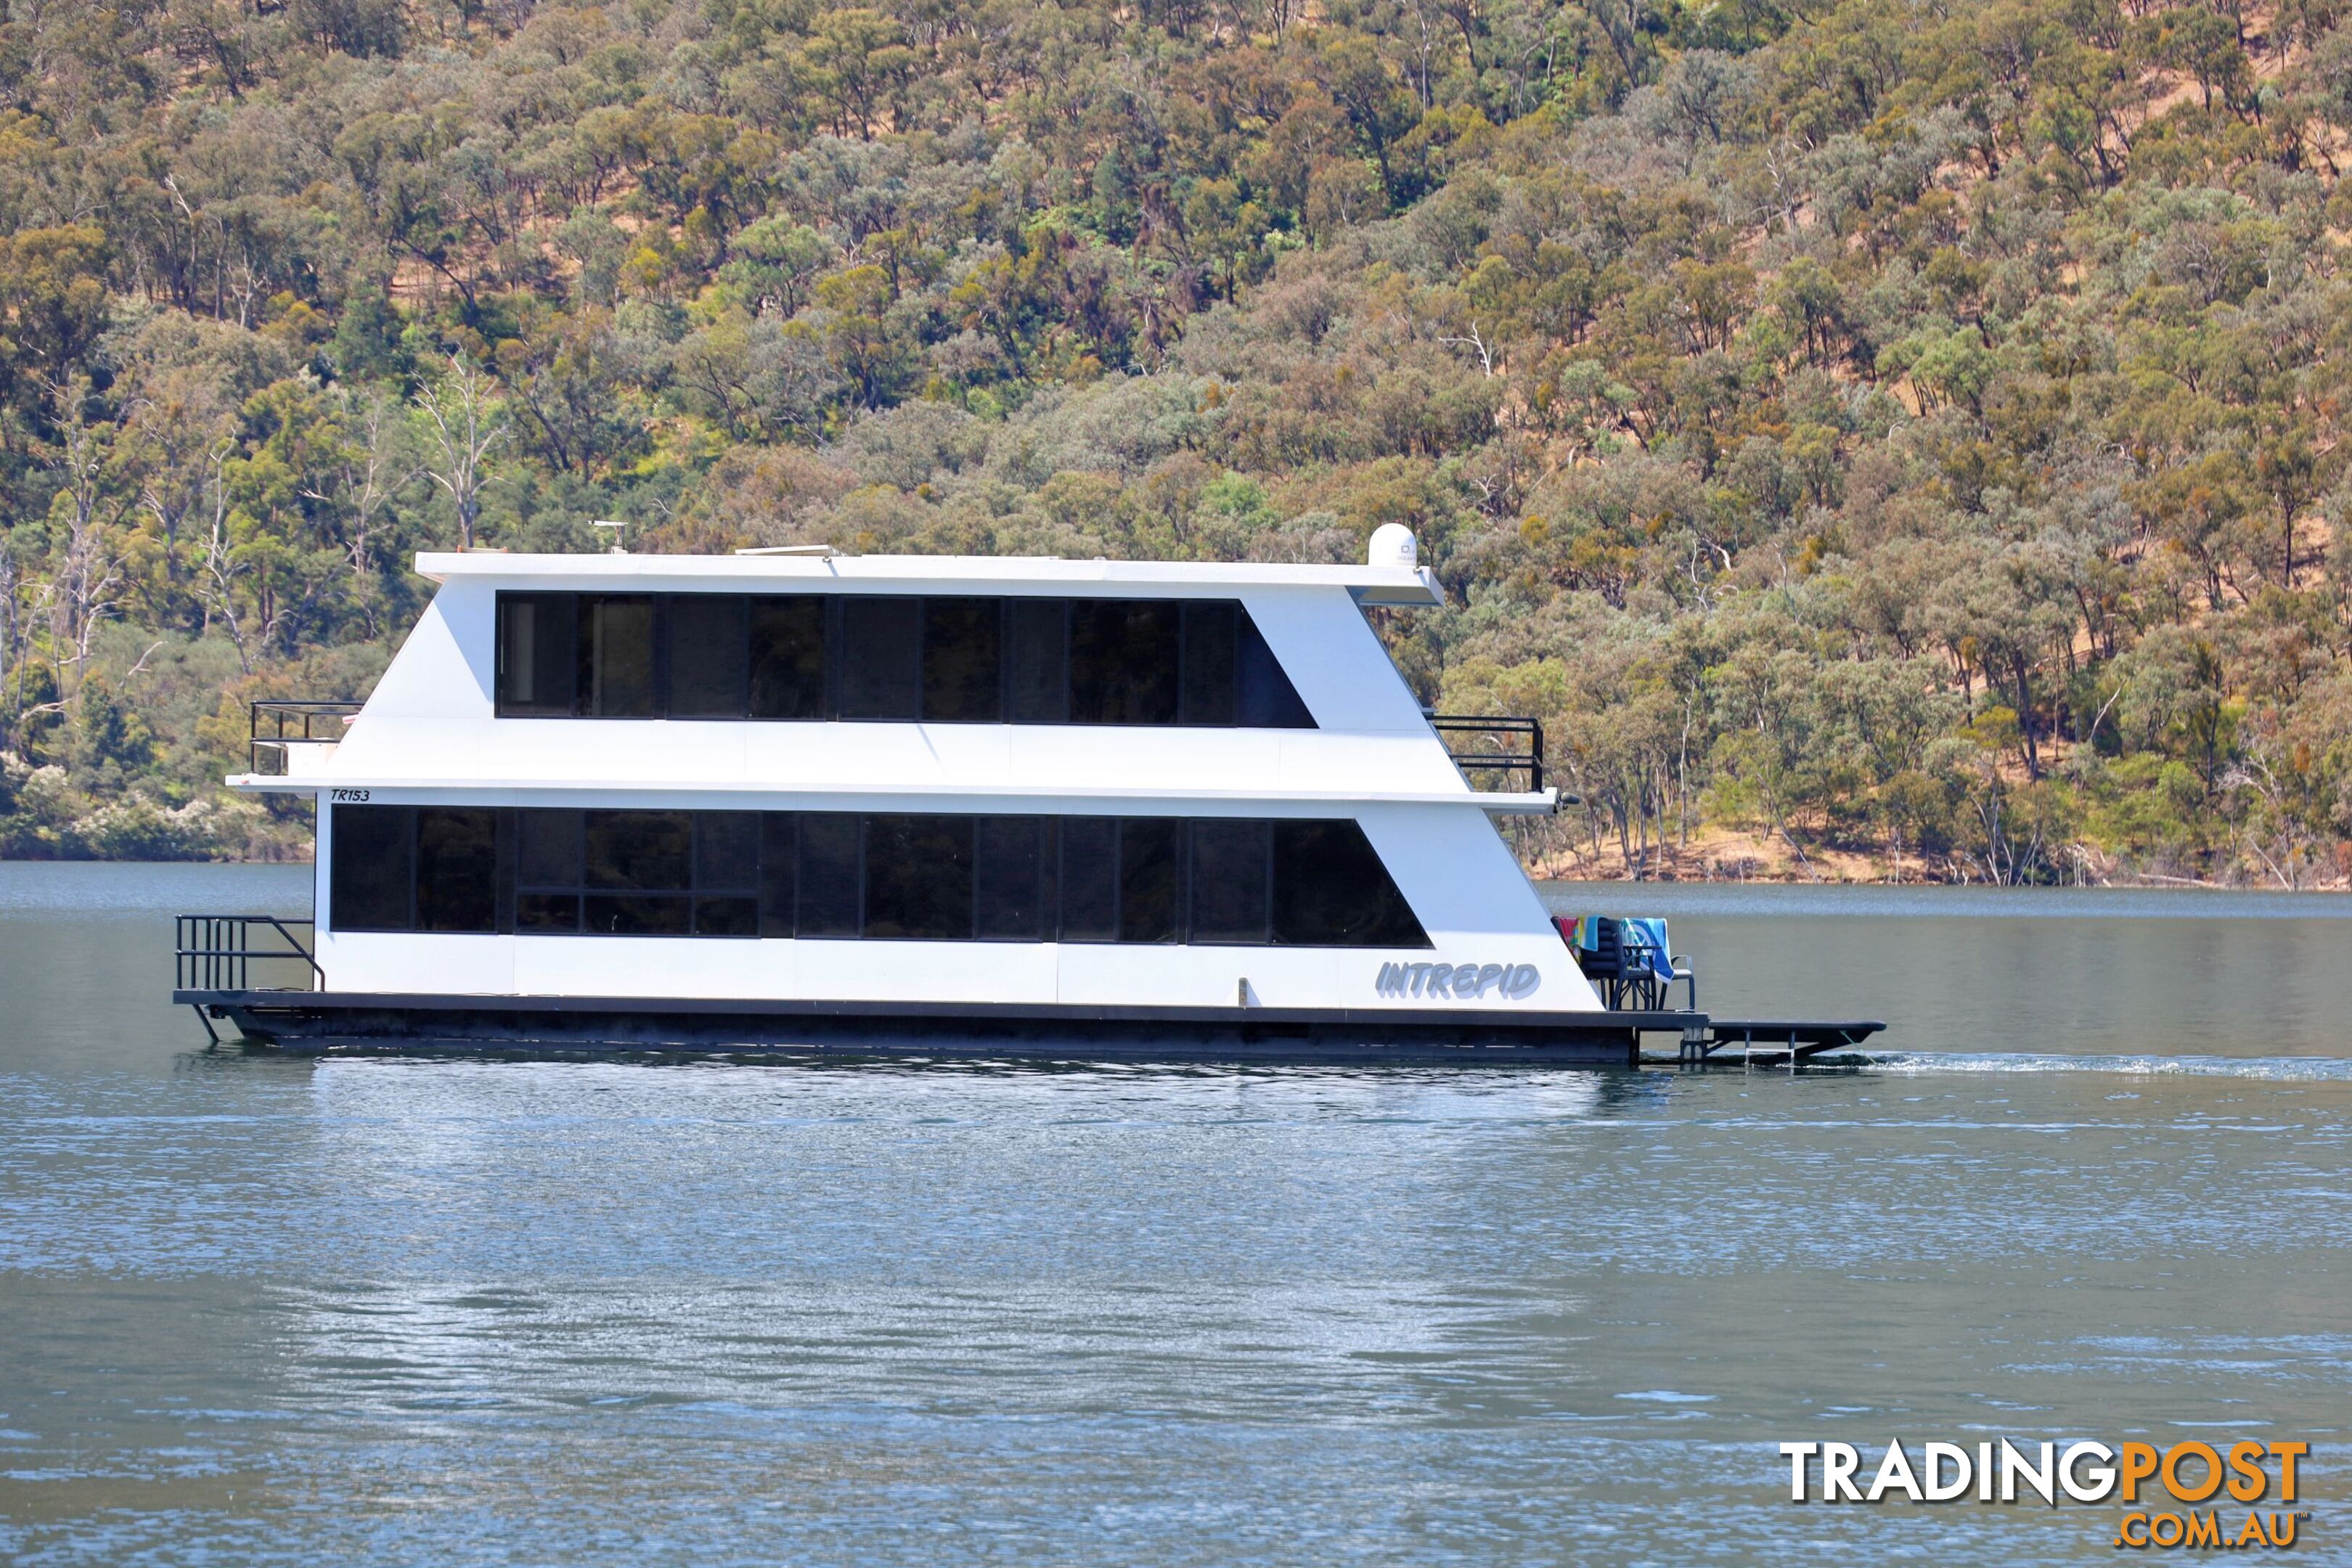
1872 436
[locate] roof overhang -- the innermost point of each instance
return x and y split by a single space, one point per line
916 573
823 796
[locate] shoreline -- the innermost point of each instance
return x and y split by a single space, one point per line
1556 873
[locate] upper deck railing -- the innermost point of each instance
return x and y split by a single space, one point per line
280 722
1489 747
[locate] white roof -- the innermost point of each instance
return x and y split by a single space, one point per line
430 724
1034 573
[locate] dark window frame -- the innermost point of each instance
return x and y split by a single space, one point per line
670 628
581 888
1160 848
895 888
1045 874
775 613
1113 628
587 688
907 645
545 659
1341 841
735 894
342 896
809 893
1253 692
1072 849
1264 832
443 896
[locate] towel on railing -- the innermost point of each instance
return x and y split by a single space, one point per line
1645 940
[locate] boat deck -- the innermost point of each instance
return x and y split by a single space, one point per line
320 1021
1763 1042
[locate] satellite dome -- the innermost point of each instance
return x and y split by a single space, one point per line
1392 545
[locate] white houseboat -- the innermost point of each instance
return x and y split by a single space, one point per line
817 802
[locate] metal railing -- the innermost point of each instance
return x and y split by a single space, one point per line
279 722
219 952
1493 747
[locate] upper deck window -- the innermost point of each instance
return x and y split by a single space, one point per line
937 659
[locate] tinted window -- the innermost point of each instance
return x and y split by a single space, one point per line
949 660
542 912
537 655
726 917
918 877
726 851
1151 877
616 656
1332 890
726 873
1089 878
371 879
963 665
881 657
889 876
548 870
709 656
1037 661
456 869
1263 697
1013 885
1230 880
652 850
628 873
549 853
639 914
787 657
780 853
1207 694
1123 661
829 878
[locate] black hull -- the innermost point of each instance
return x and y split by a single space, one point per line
314 1021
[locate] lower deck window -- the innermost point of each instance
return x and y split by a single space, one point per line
901 877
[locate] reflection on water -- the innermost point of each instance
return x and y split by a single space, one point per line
260 1311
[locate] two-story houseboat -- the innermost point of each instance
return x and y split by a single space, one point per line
822 802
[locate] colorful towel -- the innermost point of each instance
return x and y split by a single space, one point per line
1644 937
1647 935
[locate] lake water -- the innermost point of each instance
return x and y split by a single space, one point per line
256 1311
